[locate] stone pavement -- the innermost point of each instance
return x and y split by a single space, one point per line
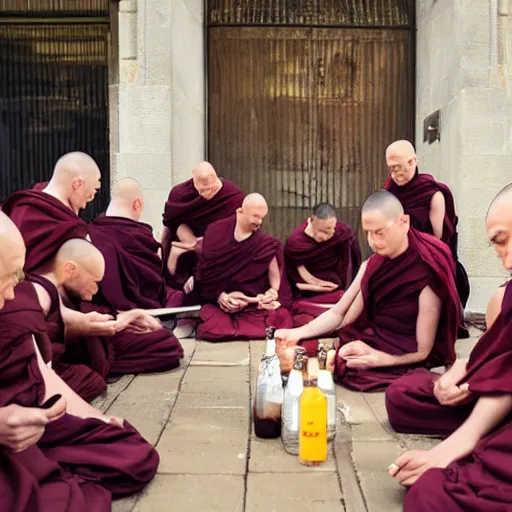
199 418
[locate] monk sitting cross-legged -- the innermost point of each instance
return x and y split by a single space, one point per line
241 277
137 342
322 257
73 457
192 206
47 218
401 310
471 404
133 267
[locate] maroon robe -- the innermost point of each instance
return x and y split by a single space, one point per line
483 480
79 377
226 265
391 290
336 260
133 268
78 463
186 206
416 196
45 224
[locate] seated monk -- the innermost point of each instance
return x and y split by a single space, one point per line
471 404
137 343
241 277
192 206
403 304
133 266
47 218
322 257
429 204
60 457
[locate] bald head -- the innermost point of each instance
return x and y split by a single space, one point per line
75 181
401 161
205 180
12 258
384 202
499 225
252 212
127 200
79 267
321 225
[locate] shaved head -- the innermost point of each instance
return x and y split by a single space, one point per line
75 181
127 200
401 161
252 212
80 267
205 180
321 225
499 225
384 202
12 258
385 224
324 211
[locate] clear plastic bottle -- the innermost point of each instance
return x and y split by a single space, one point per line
292 394
327 387
268 398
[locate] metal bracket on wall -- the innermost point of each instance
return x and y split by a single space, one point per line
432 127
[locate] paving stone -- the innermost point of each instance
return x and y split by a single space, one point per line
125 504
105 400
189 346
191 493
222 381
371 461
230 353
220 418
293 492
269 456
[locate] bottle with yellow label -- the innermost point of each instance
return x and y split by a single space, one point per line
313 421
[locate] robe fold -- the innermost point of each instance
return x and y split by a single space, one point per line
227 266
79 377
416 196
78 463
336 260
45 224
186 206
483 480
391 290
133 268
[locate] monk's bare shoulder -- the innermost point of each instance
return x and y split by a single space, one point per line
44 298
494 306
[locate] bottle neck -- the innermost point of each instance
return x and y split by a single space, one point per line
270 349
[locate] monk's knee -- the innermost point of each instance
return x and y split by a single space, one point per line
396 405
428 494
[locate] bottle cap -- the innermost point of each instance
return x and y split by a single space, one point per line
270 331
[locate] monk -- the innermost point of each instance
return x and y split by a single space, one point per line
428 202
49 217
399 313
241 277
192 206
136 344
62 454
471 404
133 266
322 257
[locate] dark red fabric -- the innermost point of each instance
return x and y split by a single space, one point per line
391 290
226 265
45 224
79 377
337 260
186 206
307 309
133 268
96 453
488 369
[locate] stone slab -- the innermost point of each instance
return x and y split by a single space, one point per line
105 400
293 492
229 353
191 493
220 418
222 381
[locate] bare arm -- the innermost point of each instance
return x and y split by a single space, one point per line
494 307
78 324
306 276
426 329
437 214
274 275
333 318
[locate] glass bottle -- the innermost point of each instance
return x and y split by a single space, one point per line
268 398
327 387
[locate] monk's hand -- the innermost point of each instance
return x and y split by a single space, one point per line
137 320
229 303
358 355
328 285
412 464
450 394
98 324
270 306
287 337
188 287
116 421
21 427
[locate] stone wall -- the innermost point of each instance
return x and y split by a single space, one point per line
462 48
157 96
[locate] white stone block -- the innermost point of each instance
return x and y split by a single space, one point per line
154 202
158 59
151 170
128 6
127 35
